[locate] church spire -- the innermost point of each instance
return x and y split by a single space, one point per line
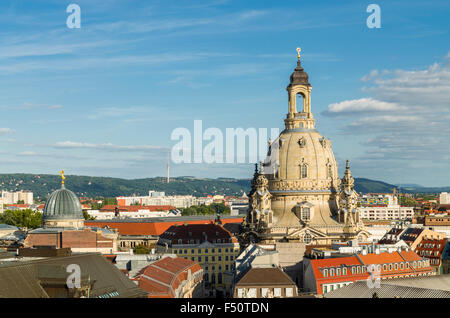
299 116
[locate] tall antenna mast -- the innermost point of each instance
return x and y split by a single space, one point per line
168 167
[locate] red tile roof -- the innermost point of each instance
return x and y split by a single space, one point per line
135 208
161 278
150 228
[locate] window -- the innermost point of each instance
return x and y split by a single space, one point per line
332 272
338 272
289 292
226 267
199 259
240 292
277 292
251 293
264 292
303 171
307 237
325 273
344 271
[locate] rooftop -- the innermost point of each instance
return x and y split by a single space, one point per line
265 276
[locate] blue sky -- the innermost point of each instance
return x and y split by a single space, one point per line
104 99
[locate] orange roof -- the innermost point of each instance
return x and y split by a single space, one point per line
149 228
162 277
135 208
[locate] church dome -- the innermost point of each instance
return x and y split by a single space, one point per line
63 204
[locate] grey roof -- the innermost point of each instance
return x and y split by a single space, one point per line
422 287
21 280
63 204
8 227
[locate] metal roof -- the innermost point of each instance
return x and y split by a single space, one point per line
21 280
423 287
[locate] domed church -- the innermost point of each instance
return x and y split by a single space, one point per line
63 227
297 195
63 209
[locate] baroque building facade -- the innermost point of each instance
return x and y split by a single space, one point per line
297 195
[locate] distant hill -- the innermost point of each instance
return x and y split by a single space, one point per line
42 185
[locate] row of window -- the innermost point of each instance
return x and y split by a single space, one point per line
205 251
304 171
265 292
213 258
338 271
197 241
429 253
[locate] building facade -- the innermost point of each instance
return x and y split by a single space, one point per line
211 245
265 283
15 197
325 275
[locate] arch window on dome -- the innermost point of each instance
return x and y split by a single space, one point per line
303 170
306 214
329 171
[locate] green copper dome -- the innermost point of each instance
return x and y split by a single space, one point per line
63 204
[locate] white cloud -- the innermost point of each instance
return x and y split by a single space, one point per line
362 105
4 131
105 146
405 117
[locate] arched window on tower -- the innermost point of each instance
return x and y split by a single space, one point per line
303 171
299 102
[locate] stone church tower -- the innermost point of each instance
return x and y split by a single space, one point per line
310 203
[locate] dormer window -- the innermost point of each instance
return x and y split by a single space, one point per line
325 273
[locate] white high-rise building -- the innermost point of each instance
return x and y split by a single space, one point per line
15 197
444 198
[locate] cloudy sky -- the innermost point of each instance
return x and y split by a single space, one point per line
104 99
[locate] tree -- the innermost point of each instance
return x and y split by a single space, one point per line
142 249
22 218
87 216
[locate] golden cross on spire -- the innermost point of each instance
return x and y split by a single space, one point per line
298 53
62 177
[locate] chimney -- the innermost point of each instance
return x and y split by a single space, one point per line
377 251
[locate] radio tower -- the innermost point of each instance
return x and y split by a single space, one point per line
168 168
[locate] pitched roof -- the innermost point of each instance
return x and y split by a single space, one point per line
265 276
201 232
21 279
162 278
155 226
423 287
